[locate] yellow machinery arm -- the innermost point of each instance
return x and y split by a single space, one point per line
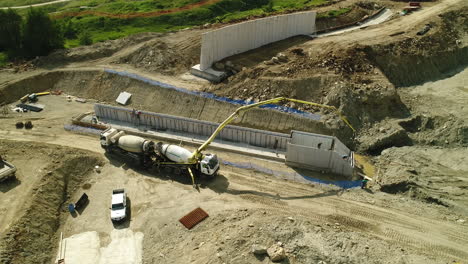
197 153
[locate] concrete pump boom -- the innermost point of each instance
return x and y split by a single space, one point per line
197 153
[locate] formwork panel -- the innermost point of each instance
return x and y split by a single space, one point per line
250 136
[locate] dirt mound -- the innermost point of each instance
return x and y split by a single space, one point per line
95 51
32 238
166 57
345 79
429 174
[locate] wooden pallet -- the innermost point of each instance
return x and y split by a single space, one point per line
193 218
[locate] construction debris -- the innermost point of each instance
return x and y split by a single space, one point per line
276 253
34 108
123 98
424 30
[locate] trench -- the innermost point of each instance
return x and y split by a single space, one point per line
105 86
32 238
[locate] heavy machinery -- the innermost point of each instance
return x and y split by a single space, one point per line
32 97
149 154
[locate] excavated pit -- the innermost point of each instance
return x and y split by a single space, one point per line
105 87
32 237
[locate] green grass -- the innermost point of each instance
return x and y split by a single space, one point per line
104 28
3 59
9 3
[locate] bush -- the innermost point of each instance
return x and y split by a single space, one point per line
10 31
41 35
69 30
269 8
85 38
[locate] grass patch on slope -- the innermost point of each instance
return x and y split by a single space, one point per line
3 59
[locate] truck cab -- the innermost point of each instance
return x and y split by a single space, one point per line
118 205
209 165
106 136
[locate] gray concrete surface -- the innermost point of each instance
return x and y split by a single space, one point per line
380 18
241 37
161 122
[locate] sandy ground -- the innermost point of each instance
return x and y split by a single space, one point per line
85 248
239 197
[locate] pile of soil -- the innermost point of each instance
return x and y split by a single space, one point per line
165 55
96 51
429 174
32 238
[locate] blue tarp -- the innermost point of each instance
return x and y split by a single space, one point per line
213 96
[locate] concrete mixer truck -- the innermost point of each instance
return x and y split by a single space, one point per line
149 155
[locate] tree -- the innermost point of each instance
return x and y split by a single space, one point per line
41 35
85 38
69 30
10 31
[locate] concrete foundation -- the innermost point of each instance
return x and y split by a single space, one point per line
208 74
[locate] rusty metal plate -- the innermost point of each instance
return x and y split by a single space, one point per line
193 218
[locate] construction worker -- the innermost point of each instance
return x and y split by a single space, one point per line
364 182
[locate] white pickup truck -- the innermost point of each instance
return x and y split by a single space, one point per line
7 170
119 205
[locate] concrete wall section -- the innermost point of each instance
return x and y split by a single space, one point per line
238 38
156 121
319 152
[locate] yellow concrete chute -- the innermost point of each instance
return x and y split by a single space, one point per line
196 155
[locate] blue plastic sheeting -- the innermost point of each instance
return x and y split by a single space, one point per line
80 129
292 175
213 96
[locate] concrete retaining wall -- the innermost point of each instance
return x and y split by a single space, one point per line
156 121
238 38
319 152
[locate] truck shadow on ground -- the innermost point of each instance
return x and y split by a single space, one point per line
334 192
125 223
218 184
9 184
221 185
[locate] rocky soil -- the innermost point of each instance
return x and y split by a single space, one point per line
32 237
